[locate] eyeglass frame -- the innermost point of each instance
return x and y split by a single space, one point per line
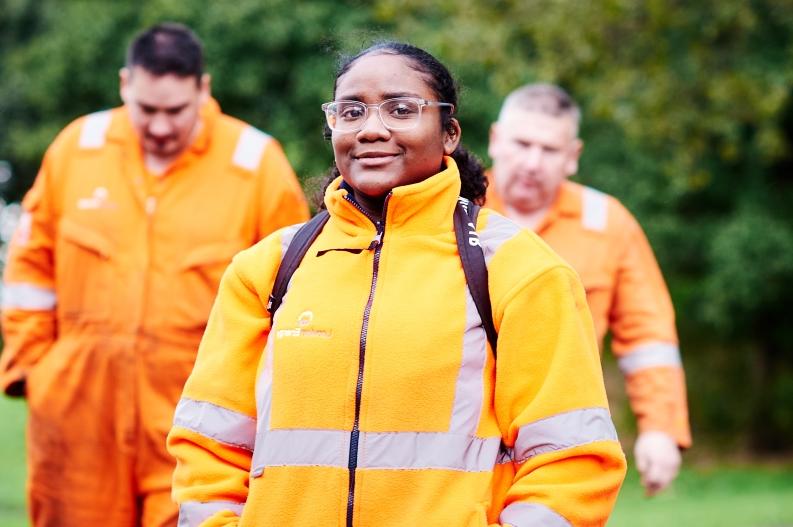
421 102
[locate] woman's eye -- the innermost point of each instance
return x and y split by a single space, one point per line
351 113
402 110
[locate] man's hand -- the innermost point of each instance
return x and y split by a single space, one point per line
658 460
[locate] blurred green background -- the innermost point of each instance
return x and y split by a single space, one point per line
687 118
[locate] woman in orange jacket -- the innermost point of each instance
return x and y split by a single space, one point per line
372 396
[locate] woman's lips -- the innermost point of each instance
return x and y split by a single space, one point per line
372 159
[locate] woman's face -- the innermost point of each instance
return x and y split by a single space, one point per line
374 159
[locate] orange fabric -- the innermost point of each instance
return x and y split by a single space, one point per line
626 294
131 265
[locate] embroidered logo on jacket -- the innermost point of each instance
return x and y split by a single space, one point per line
303 329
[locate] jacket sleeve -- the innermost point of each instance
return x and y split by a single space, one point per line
29 293
283 202
551 405
215 421
644 340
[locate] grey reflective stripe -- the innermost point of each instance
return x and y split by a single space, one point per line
565 430
250 147
264 383
594 214
427 450
468 392
281 448
28 297
265 380
498 230
286 240
650 355
215 422
379 450
287 235
521 514
94 129
194 513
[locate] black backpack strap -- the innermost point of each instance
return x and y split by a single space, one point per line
297 249
474 266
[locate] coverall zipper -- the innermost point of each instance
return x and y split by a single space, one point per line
352 462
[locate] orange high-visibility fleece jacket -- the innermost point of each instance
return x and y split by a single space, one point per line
373 397
111 276
626 293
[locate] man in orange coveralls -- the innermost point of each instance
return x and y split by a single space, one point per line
535 149
111 275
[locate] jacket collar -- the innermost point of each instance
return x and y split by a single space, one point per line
425 207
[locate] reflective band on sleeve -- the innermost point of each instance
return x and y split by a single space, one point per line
521 514
650 355
28 297
250 147
215 422
468 392
594 215
94 129
379 450
194 513
562 431
498 230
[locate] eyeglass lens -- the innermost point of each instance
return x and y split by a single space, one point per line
396 114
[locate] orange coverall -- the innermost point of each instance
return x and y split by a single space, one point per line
626 294
110 279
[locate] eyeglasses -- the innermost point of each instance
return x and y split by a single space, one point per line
398 115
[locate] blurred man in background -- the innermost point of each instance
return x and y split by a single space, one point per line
535 148
111 275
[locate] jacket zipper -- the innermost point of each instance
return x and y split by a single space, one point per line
352 462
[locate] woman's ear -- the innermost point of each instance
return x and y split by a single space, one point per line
451 136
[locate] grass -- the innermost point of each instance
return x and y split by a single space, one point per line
12 463
717 496
703 496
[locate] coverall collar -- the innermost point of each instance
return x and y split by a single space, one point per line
121 131
564 204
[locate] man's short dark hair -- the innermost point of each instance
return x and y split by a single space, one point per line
167 48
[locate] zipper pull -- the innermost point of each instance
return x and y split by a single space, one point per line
376 241
378 237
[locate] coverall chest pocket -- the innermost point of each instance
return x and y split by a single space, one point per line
83 273
197 281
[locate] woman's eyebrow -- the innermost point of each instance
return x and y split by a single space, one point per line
384 96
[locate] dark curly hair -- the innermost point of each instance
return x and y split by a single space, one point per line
472 176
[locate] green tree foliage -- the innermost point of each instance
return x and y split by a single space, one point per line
688 118
272 64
